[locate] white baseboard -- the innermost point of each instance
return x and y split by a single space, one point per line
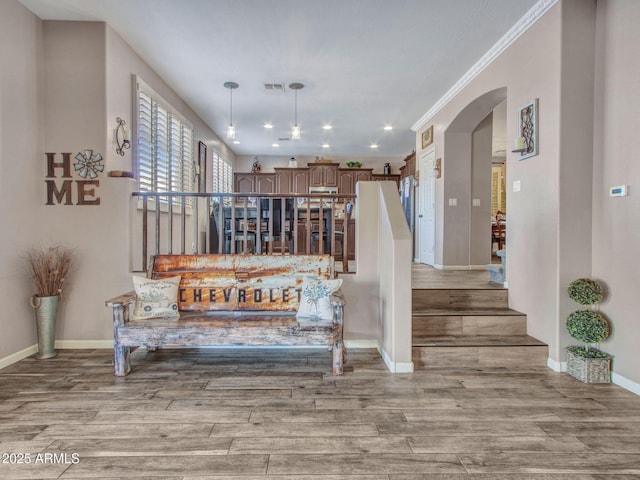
459 267
361 344
16 357
625 383
616 378
83 344
395 367
556 366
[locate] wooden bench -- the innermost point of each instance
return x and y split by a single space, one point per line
245 300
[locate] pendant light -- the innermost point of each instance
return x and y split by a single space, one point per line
231 130
295 132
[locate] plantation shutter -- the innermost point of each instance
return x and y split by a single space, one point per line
164 145
222 174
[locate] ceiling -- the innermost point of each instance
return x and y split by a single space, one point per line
364 64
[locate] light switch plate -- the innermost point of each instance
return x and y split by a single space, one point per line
516 185
453 202
619 191
475 202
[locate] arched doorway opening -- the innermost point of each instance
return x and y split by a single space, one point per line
467 203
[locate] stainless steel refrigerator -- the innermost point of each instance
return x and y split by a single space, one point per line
407 192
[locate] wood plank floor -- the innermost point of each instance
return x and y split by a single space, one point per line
248 414
424 276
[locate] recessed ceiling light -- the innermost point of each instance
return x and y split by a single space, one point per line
327 127
236 142
275 145
388 127
325 145
373 145
268 125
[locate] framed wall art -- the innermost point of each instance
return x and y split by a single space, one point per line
427 137
528 129
201 168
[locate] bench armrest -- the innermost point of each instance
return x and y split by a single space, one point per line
121 300
337 299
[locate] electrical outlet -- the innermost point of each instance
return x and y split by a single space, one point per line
516 185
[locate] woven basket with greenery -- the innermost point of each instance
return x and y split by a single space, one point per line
593 369
586 363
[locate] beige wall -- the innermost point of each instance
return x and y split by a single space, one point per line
378 307
532 229
69 82
394 259
480 231
616 229
21 171
562 224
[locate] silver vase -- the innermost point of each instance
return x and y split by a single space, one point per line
46 309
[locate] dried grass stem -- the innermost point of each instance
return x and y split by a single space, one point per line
48 269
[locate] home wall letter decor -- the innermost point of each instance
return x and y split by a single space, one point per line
62 192
528 128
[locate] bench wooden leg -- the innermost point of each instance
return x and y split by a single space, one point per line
121 360
338 355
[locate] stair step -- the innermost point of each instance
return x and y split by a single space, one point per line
438 321
480 351
459 298
479 341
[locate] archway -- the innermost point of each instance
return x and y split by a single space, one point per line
466 228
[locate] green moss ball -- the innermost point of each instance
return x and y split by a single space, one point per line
585 291
587 326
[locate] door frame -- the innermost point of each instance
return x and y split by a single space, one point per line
426 185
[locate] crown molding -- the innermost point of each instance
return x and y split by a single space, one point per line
529 18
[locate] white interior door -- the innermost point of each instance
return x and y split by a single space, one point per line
426 211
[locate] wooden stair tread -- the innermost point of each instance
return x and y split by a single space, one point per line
478 341
464 311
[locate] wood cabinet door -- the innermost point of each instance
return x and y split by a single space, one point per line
283 181
387 178
331 176
346 184
362 176
316 176
300 181
265 183
244 183
411 165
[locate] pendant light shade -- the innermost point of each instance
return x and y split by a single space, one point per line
231 130
295 132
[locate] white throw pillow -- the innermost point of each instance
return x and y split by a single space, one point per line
315 300
156 298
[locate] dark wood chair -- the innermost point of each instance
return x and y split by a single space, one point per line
237 233
498 231
271 229
338 235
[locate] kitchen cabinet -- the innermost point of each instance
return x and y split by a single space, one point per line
323 174
378 177
291 180
409 167
348 177
254 182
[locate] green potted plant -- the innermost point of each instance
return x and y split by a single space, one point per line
48 268
354 164
587 363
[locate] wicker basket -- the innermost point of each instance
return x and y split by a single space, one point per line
588 370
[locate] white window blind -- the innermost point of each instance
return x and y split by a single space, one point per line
222 174
164 145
